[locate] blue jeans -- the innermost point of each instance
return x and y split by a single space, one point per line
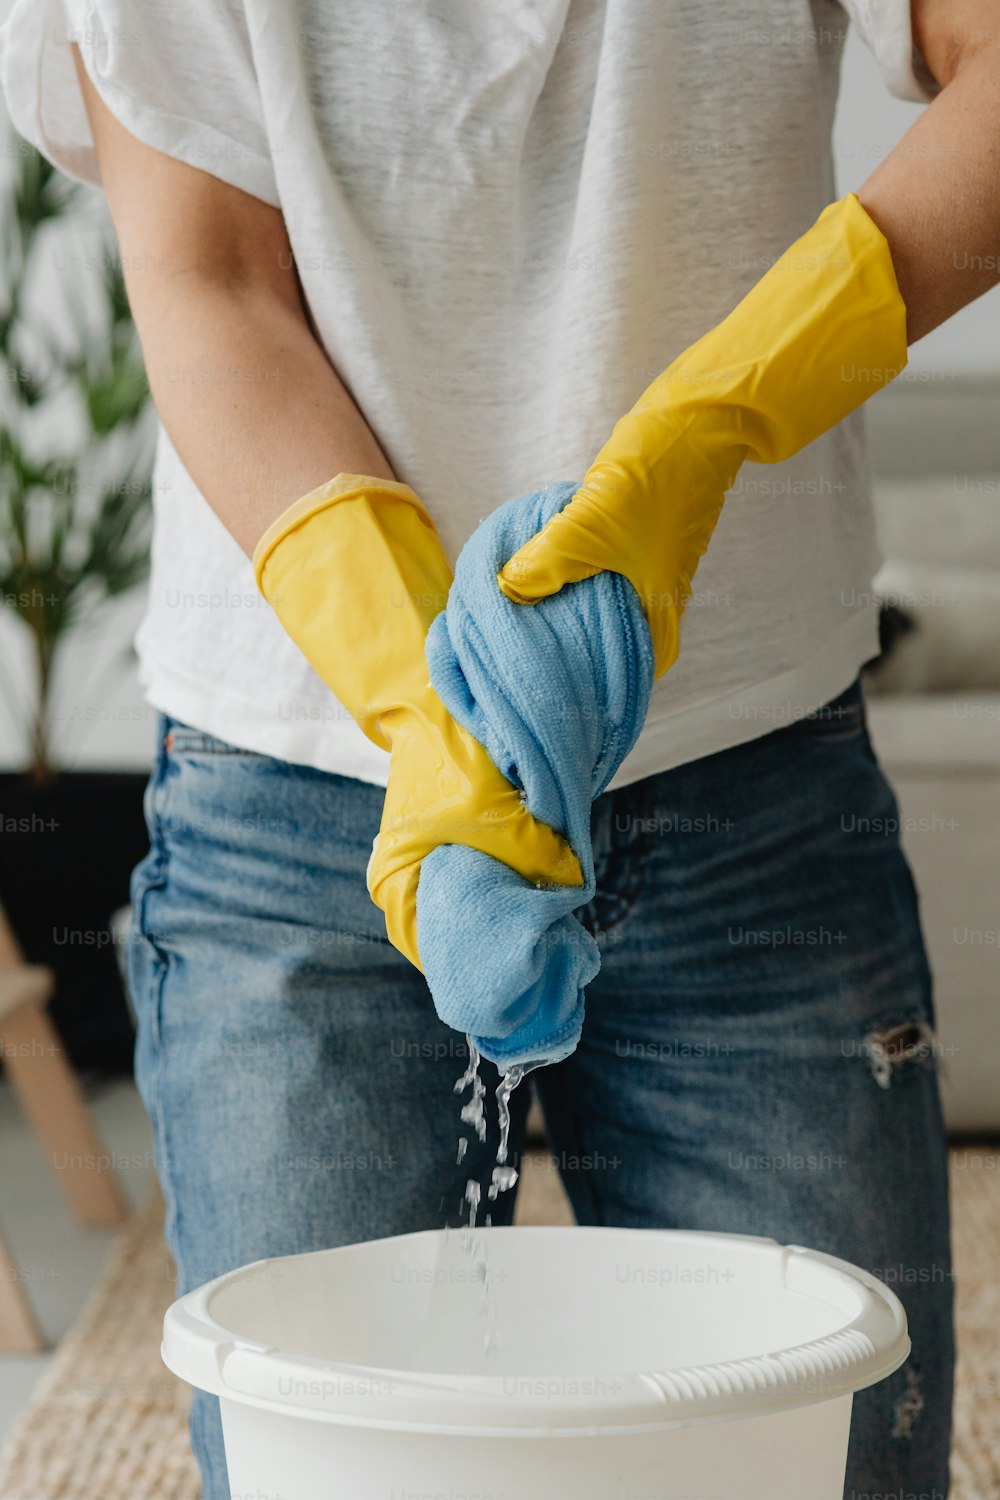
756 1057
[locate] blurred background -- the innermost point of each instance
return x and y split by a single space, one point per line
76 739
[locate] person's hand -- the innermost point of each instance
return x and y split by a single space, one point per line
821 330
356 573
444 789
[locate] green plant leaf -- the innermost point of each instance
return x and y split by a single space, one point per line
75 520
119 396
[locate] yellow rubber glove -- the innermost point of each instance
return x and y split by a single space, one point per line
822 330
356 573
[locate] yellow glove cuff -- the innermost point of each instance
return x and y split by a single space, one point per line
340 487
356 572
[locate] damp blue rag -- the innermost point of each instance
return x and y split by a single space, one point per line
557 693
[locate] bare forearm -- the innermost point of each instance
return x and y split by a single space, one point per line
243 387
249 399
936 197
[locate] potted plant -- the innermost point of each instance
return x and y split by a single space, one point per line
76 442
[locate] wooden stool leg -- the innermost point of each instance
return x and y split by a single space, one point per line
19 1332
53 1101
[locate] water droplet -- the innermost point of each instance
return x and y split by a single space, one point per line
504 1179
508 1083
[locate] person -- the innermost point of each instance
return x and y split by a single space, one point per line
444 248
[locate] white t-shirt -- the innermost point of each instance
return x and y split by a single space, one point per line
507 218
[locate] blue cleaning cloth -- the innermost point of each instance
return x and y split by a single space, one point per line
557 693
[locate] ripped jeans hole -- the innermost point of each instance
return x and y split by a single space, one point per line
909 1406
911 1041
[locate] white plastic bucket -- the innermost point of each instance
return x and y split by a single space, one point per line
631 1365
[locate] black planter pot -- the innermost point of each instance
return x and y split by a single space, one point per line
67 851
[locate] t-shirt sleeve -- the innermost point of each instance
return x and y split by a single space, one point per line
178 74
886 28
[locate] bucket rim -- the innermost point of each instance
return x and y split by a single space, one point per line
872 1343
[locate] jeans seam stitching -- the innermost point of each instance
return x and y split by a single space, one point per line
162 960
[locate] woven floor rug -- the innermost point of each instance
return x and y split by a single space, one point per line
107 1421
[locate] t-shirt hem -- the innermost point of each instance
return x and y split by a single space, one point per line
238 721
704 729
723 723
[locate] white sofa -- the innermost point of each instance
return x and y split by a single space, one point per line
934 710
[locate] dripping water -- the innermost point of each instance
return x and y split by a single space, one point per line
503 1179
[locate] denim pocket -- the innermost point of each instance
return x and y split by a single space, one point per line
181 739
